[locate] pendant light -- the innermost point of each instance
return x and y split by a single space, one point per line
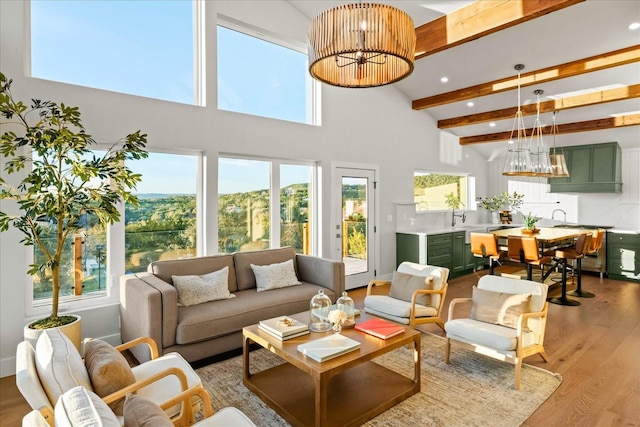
558 163
539 151
518 161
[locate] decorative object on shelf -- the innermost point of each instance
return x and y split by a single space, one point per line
337 318
539 150
558 163
319 312
518 161
62 183
530 223
361 45
505 217
346 304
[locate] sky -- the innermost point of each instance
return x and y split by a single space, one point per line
145 48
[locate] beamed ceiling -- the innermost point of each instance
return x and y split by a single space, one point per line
579 52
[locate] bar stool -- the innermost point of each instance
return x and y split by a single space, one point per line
594 247
525 250
575 252
485 245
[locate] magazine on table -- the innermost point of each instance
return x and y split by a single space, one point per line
283 326
328 347
380 328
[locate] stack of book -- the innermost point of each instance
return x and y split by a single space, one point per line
283 327
328 347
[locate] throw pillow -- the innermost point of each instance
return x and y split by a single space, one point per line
403 286
274 276
59 364
108 369
142 412
80 407
194 290
498 307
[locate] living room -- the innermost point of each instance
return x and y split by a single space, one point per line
372 129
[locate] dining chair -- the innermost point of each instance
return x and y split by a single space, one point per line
485 245
594 247
525 250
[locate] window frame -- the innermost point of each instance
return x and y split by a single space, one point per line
115 253
313 87
274 197
470 201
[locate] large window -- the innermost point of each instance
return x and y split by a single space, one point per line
430 190
263 78
137 47
164 225
249 215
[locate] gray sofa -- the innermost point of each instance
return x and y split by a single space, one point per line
149 303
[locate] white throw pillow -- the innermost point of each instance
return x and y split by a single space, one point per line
499 308
194 290
59 365
274 276
80 407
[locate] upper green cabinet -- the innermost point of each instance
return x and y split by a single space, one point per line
592 168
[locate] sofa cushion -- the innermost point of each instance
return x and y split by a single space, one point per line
194 266
108 369
142 412
487 334
218 318
80 407
499 307
274 276
194 290
243 260
59 365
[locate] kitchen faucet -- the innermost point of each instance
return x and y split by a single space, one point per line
453 217
559 210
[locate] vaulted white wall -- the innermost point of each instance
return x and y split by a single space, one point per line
369 126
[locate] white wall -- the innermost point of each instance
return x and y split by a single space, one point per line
370 126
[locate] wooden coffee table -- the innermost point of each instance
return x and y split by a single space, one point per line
345 391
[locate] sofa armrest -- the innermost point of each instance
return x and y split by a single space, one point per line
148 308
321 271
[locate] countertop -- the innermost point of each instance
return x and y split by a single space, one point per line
484 227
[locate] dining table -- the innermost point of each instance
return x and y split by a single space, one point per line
549 238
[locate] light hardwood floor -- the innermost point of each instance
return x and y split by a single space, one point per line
595 347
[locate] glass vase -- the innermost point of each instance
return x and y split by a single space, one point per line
345 303
319 312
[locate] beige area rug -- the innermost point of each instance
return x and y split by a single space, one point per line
473 390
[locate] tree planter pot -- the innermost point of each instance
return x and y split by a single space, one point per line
73 331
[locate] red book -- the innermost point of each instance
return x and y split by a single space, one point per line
380 328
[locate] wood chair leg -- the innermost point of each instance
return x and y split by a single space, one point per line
544 356
447 351
518 371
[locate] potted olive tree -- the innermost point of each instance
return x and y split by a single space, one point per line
61 181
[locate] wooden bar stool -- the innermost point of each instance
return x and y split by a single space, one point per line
594 247
525 250
575 252
485 245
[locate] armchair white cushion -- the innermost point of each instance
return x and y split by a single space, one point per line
43 374
511 344
417 295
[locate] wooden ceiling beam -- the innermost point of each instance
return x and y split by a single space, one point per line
591 125
585 100
570 69
480 19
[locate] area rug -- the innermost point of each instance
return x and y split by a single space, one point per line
473 390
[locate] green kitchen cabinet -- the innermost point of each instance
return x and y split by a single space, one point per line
444 249
623 256
594 168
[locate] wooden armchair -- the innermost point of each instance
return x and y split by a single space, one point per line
55 366
416 296
507 320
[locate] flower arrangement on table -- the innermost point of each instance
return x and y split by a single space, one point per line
337 318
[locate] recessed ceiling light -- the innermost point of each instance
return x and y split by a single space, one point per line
470 104
444 79
634 25
492 124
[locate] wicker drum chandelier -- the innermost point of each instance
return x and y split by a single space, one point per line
361 45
